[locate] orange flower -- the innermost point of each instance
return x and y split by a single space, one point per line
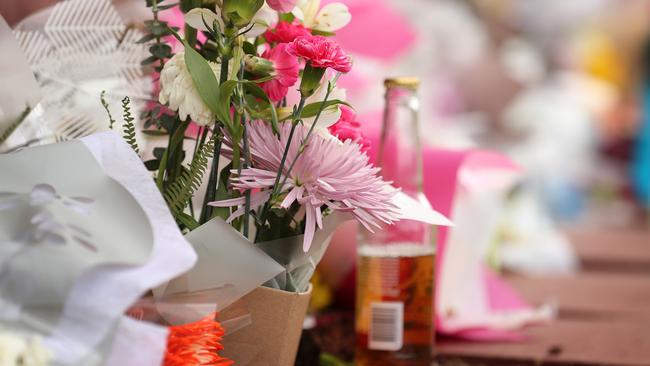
196 344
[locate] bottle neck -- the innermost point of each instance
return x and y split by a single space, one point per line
400 150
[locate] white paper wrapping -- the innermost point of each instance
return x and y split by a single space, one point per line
83 327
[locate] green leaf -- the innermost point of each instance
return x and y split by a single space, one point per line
187 221
111 120
204 79
257 91
311 110
128 130
149 60
180 192
225 96
322 33
157 28
152 165
223 193
155 133
159 152
249 48
241 12
287 17
146 38
161 50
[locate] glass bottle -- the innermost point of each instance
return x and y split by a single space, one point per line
394 303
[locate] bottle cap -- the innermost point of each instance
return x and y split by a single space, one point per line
410 82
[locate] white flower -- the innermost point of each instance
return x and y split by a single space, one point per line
177 90
330 18
197 18
263 19
17 350
331 114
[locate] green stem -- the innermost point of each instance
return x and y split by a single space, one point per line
211 189
175 157
247 205
210 193
276 184
296 120
303 144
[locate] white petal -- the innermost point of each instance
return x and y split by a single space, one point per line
263 19
195 18
330 115
298 14
306 10
332 18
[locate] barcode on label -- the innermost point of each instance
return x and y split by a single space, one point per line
386 326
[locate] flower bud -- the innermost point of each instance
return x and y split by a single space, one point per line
240 12
311 77
259 66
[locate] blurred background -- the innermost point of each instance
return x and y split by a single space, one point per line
560 87
556 85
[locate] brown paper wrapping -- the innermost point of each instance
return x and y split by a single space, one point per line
273 337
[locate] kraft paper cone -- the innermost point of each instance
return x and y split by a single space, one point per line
273 337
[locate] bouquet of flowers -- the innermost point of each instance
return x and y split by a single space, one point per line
259 136
254 82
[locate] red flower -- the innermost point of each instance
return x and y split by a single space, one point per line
348 128
286 72
321 53
196 344
286 32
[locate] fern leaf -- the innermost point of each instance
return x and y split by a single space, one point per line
14 125
111 120
180 192
128 129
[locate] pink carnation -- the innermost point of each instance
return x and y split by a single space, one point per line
328 174
321 52
286 32
348 128
283 6
286 72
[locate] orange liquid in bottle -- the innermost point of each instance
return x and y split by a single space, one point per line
394 308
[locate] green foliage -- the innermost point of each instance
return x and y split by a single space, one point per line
203 77
180 192
223 193
155 30
14 125
111 120
128 130
327 359
311 109
258 92
241 12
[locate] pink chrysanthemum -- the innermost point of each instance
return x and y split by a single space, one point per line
348 128
286 72
321 53
286 32
329 173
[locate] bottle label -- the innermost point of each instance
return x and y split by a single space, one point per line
386 331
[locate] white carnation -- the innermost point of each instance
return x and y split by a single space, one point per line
24 351
177 90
